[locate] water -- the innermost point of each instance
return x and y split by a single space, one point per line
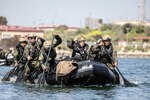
136 70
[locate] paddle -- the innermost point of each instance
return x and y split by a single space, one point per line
11 72
8 75
21 77
41 79
126 82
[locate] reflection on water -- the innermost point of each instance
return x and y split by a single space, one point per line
134 69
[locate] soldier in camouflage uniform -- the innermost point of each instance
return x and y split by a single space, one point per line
19 57
103 52
94 50
79 48
32 52
48 54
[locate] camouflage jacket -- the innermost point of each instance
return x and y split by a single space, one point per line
77 49
43 57
103 54
19 54
32 51
46 60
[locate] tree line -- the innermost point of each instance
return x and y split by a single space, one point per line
3 20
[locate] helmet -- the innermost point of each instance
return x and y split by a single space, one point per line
32 35
76 39
10 49
99 41
22 40
81 38
47 44
106 38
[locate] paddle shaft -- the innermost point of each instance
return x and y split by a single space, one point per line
49 52
42 77
11 72
125 80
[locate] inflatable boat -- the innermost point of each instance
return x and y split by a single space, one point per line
88 73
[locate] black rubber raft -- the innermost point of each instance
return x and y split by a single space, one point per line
88 73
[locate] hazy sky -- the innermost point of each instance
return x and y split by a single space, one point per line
69 12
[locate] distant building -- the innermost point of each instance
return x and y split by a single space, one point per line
92 23
46 28
7 32
10 35
134 22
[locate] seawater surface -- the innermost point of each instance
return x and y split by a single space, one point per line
136 70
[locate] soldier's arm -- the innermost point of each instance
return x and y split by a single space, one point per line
40 42
41 59
70 44
86 48
26 52
53 53
90 52
96 48
58 41
115 58
76 47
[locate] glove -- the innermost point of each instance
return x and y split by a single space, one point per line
45 67
114 64
56 36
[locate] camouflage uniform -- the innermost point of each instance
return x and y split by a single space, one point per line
49 61
33 51
104 53
94 50
19 57
40 42
79 51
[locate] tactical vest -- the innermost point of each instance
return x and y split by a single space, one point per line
106 53
20 57
34 51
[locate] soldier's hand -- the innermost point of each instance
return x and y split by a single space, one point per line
100 44
55 35
45 68
114 64
16 64
29 58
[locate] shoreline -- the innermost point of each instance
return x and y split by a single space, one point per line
133 54
120 54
